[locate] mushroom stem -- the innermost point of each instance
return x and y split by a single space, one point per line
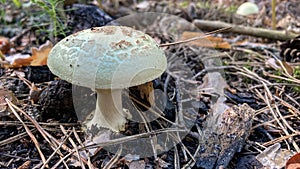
109 111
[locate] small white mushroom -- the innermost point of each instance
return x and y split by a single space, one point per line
247 8
107 59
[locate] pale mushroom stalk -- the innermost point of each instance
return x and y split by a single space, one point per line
109 111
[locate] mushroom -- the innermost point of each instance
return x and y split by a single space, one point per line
107 59
247 8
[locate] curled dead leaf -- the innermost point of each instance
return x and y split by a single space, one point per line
280 65
210 42
40 55
38 58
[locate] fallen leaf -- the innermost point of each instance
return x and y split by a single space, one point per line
293 162
274 156
3 105
40 55
4 45
275 64
38 58
288 68
18 60
210 42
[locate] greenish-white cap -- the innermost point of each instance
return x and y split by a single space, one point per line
247 8
108 57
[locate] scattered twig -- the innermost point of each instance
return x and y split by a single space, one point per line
74 145
197 38
258 32
193 160
114 159
158 114
44 125
133 137
63 159
267 97
82 145
273 14
294 80
15 138
176 156
19 157
280 139
179 117
56 150
45 134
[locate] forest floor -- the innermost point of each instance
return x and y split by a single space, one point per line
230 99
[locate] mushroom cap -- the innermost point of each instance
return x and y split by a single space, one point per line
108 57
247 8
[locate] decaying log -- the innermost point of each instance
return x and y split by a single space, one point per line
224 135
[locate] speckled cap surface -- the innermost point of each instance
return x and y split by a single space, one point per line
109 57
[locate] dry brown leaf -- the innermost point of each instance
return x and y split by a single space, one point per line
22 60
38 58
293 162
289 68
4 111
41 54
4 45
211 42
276 65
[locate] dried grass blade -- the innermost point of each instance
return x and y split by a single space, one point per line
90 165
37 126
15 138
36 143
55 151
74 145
44 133
62 160
114 159
176 157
